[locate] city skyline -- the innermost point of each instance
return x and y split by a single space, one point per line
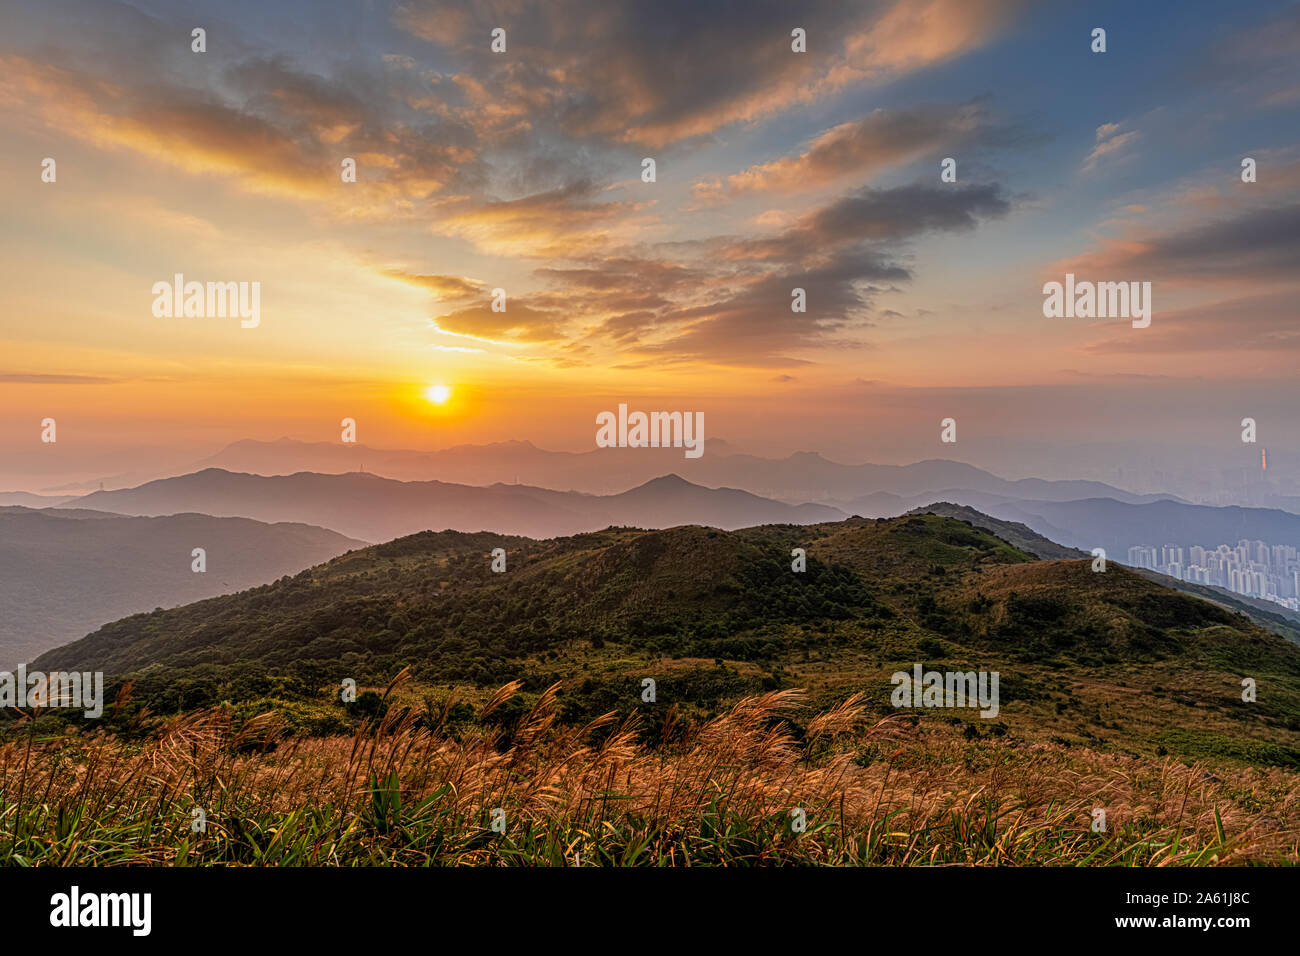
1252 567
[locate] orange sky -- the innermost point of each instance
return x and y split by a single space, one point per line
522 171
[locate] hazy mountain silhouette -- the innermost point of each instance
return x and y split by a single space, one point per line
1114 525
374 508
27 500
377 509
65 572
804 476
1117 526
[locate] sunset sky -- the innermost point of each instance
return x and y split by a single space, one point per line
522 170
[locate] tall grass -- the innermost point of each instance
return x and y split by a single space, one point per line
405 791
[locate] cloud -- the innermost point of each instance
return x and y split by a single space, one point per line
1109 141
39 378
911 34
876 215
623 273
278 132
883 138
727 300
656 74
1224 259
1259 244
565 222
1256 63
1252 323
444 287
519 324
533 153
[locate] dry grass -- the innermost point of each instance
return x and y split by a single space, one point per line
406 792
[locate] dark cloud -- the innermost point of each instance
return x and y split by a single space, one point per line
1258 244
878 215
728 300
658 73
883 138
1262 242
906 211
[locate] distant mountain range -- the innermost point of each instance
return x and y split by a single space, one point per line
372 508
801 477
26 500
379 509
1117 526
66 572
805 476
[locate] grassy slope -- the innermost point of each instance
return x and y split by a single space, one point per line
1273 617
1111 661
1018 535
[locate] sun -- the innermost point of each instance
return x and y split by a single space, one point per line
438 394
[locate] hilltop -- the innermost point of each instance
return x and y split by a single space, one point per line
1109 660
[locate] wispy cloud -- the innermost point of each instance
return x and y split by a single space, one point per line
1110 141
859 149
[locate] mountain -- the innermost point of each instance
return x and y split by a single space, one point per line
1112 661
1267 614
804 476
27 500
674 500
65 572
1117 526
377 509
1013 532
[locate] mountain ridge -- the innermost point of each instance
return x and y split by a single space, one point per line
374 508
1110 660
66 571
808 475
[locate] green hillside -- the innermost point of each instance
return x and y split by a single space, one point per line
1111 661
1017 534
1271 616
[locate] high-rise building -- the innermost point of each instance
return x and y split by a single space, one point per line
1251 567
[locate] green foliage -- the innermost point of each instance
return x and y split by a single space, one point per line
598 612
